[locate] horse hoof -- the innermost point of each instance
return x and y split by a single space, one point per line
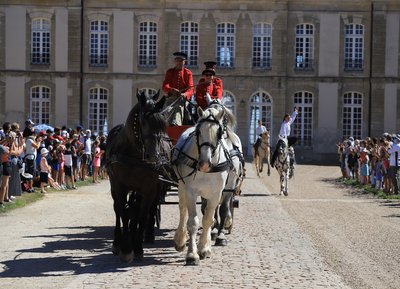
192 260
180 248
221 242
285 193
228 223
126 258
204 254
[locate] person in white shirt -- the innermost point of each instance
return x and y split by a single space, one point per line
284 134
259 130
394 152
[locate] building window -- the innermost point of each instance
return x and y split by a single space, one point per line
98 53
262 45
147 44
226 45
260 109
303 125
40 42
352 114
354 47
304 47
228 100
40 104
189 42
98 108
150 92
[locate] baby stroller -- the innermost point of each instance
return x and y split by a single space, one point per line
26 177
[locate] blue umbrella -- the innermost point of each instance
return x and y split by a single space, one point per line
42 126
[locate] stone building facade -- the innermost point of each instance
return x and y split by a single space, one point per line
81 62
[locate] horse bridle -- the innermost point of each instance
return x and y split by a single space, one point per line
140 136
211 118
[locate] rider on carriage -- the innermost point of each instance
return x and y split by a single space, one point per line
284 135
208 84
178 85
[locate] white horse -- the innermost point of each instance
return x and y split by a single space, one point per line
284 166
201 162
263 152
224 212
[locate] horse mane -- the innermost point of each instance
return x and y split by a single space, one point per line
124 136
229 117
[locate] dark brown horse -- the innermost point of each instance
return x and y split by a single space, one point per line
133 159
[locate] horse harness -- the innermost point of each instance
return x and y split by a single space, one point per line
192 162
140 162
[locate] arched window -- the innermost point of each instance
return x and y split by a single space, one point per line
147 44
98 108
229 101
304 52
226 44
148 91
40 104
189 42
262 45
260 109
303 125
352 114
354 47
98 49
40 42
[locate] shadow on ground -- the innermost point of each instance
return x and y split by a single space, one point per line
78 253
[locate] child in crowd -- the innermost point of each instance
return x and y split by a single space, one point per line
68 167
96 162
44 170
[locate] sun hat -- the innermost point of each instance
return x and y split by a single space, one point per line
44 151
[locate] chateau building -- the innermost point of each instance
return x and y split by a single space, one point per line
83 61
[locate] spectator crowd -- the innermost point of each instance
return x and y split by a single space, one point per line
58 157
372 161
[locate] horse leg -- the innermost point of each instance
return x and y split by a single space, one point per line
256 162
214 231
261 163
149 235
142 216
117 232
180 236
192 257
208 220
282 180
226 220
125 254
285 192
268 163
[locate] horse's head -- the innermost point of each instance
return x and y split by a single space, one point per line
151 126
209 131
265 137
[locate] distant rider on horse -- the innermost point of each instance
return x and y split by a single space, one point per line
284 135
260 129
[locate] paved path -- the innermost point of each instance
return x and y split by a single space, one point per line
64 241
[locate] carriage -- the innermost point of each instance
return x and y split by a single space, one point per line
141 148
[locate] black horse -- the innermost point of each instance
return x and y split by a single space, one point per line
133 159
